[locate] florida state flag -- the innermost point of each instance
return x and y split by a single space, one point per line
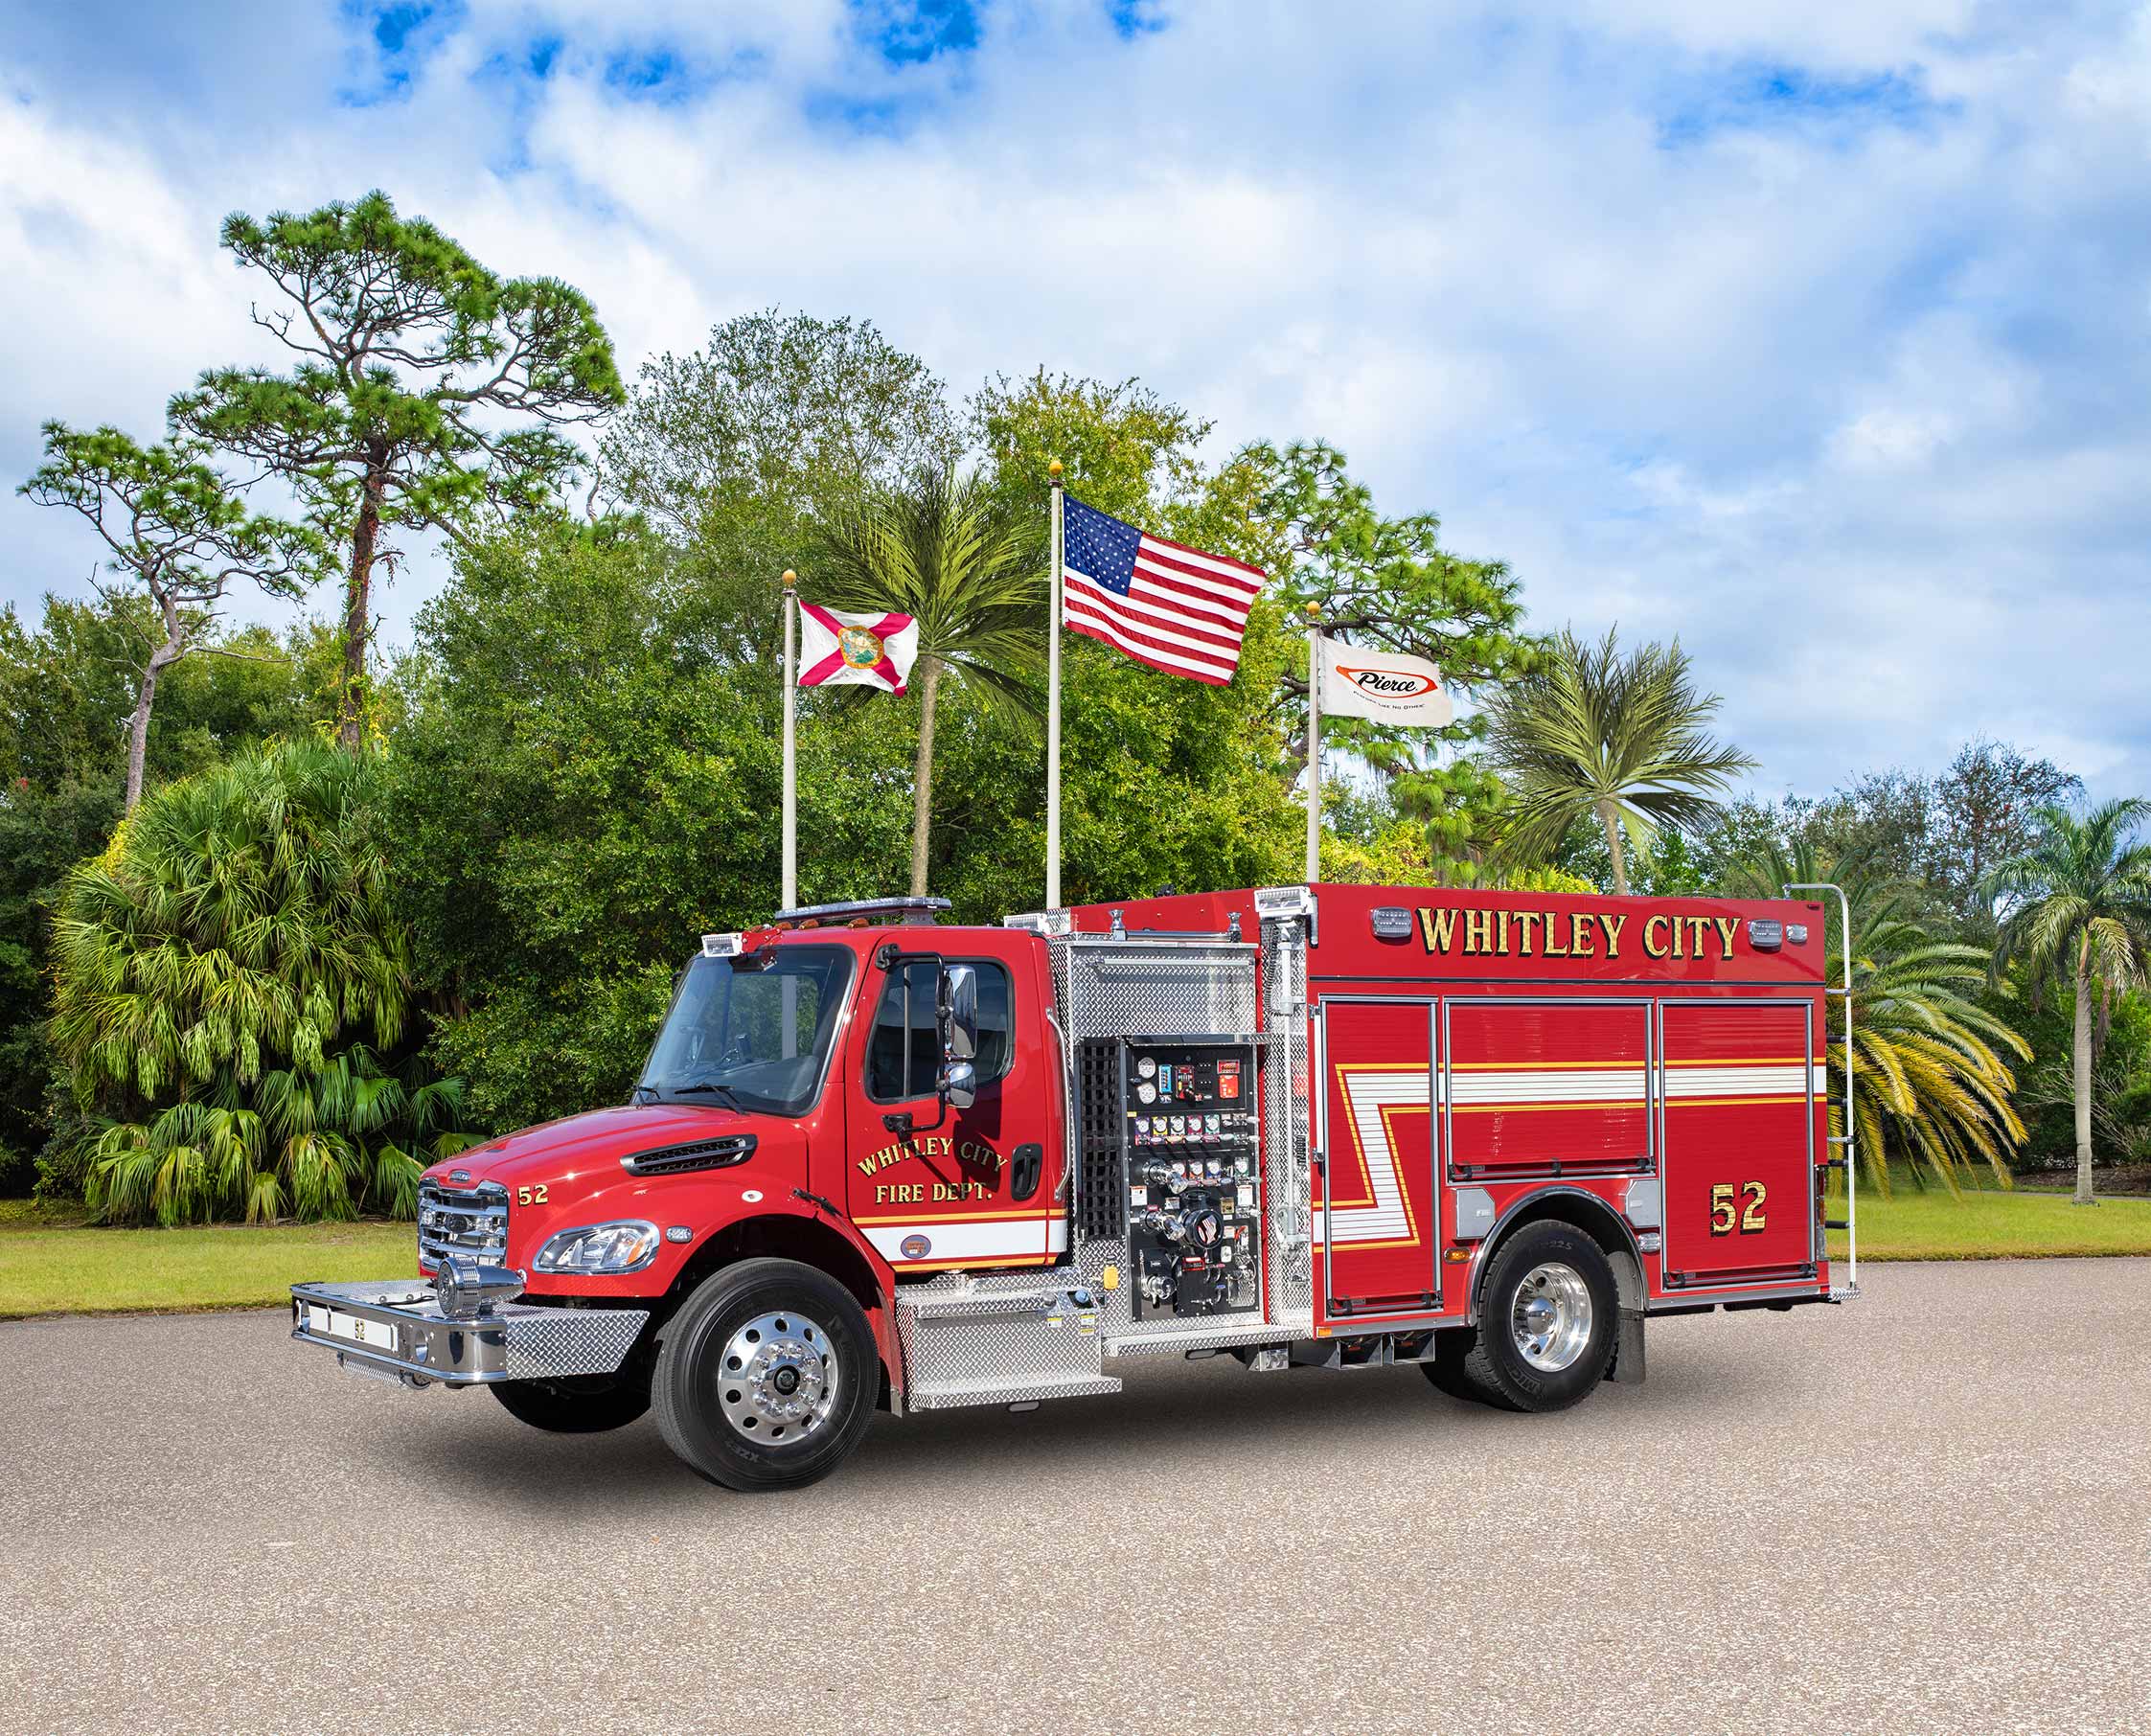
837 647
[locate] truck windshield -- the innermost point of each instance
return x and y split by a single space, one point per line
750 1033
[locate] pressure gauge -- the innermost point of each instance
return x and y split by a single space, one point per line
1147 1066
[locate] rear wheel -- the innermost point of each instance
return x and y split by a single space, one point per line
766 1377
579 1404
1547 1315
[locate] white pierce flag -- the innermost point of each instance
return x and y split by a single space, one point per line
1381 686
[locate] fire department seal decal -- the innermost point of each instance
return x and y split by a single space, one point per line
916 1247
859 646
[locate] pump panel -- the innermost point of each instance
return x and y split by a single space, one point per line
1194 1180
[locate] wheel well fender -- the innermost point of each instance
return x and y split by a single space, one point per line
1582 1210
812 1241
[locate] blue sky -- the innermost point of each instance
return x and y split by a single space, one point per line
1819 336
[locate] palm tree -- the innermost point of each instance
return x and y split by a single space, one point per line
2079 908
1930 1085
1623 738
944 551
215 971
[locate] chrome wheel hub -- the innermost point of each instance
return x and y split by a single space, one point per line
777 1379
1551 1316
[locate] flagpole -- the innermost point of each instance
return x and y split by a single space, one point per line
788 897
1314 742
1053 707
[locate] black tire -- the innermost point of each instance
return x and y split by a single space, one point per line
579 1404
780 1440
1447 1368
1496 1364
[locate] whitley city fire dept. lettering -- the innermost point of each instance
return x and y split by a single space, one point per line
971 1156
1571 934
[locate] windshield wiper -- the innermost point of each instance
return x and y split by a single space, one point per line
731 1097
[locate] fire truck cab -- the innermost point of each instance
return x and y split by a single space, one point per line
874 1163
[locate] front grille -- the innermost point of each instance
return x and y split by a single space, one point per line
471 1224
680 1159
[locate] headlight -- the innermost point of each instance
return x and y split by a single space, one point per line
601 1248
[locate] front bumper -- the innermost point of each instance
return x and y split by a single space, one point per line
397 1329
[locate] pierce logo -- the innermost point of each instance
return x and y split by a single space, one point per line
1390 683
916 1247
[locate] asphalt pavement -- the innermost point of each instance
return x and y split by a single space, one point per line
1928 1510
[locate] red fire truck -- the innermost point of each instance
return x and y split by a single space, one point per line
877 1164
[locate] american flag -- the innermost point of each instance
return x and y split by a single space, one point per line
1163 603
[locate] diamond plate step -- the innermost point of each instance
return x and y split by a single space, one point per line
1008 1389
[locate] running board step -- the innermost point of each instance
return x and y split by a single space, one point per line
1010 1389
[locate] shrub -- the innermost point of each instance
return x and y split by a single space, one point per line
233 1002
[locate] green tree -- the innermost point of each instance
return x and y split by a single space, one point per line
218 974
1625 738
587 782
734 449
945 552
173 527
1931 1088
44 831
1942 833
1390 582
426 390
67 690
2078 906
1164 782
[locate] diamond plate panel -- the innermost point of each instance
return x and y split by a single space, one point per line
579 1341
995 1340
1135 988
1287 1137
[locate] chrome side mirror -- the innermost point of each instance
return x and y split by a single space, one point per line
957 1012
958 1083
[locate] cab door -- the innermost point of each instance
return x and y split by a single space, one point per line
973 1187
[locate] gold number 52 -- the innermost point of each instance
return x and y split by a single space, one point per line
1727 1214
531 1195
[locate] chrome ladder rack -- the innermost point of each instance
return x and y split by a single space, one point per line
1842 1142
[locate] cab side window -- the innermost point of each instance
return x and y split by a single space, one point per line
904 1053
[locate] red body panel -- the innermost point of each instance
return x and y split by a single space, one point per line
1380 1223
1738 1127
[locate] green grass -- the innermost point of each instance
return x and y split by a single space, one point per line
1985 1223
51 1264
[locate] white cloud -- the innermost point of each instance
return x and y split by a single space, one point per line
1816 335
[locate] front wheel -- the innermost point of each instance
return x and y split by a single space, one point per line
1547 1321
766 1377
576 1404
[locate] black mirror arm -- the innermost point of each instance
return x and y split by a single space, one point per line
904 1124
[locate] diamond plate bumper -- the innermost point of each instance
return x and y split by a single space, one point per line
395 1327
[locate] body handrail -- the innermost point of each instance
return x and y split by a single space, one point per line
1845 1145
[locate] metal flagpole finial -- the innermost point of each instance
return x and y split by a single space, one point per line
1053 469
790 579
